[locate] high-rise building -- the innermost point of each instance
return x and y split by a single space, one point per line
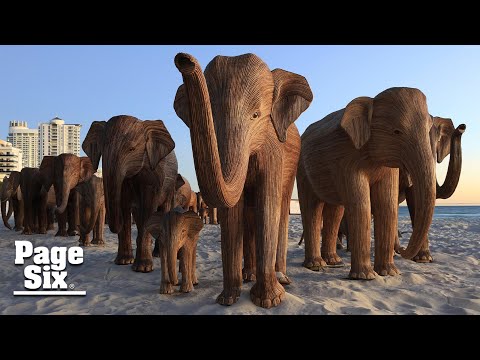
56 138
25 139
10 159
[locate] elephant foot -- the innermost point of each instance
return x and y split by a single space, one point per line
362 272
248 275
166 288
228 296
124 259
282 278
314 264
62 233
27 232
333 260
142 265
186 287
195 280
50 228
98 242
72 233
423 256
387 269
42 231
18 228
267 295
84 243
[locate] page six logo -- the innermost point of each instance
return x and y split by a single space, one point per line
47 275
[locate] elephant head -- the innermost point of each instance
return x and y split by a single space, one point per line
182 192
393 130
448 141
69 171
231 109
174 229
126 146
6 216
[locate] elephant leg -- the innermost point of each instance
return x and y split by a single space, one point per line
125 253
384 197
359 217
28 220
282 246
36 215
194 260
231 244
143 258
84 235
267 291
71 214
166 287
42 214
187 283
50 219
18 214
332 216
62 224
99 228
423 255
214 220
311 211
249 259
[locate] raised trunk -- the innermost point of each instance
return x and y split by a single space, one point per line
423 179
172 264
218 189
5 216
454 165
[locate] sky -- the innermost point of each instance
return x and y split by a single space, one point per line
81 84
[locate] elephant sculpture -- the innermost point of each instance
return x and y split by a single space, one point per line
184 196
69 171
11 192
92 211
208 214
350 162
6 215
245 149
177 233
447 141
139 175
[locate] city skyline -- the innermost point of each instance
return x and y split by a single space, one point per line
97 82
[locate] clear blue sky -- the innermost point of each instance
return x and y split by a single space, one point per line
81 84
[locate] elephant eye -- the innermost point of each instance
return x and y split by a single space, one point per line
256 115
131 149
397 132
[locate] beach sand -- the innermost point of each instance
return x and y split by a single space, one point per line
450 285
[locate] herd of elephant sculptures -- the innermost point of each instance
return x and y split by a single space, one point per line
356 163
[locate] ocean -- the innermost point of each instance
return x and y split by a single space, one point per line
448 211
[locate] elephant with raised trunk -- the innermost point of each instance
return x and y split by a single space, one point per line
177 233
92 211
69 171
139 174
11 192
447 140
350 161
240 116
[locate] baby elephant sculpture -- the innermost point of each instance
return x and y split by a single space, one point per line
177 234
92 211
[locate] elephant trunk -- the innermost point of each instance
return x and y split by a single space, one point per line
219 188
454 165
423 178
62 195
112 184
172 263
5 216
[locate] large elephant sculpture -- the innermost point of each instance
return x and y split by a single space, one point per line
11 192
244 143
447 140
69 171
92 211
177 233
350 161
4 203
139 175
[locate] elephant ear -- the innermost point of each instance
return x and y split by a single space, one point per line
46 168
15 182
154 224
291 96
94 141
86 169
158 141
180 105
193 223
445 129
356 120
179 182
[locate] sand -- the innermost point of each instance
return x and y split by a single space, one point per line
450 285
